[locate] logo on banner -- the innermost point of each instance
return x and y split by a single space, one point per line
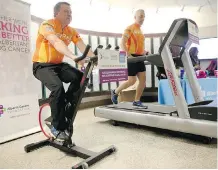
209 95
14 109
100 56
2 110
122 57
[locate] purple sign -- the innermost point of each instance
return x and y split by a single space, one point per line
113 75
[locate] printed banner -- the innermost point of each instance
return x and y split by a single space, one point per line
18 116
208 87
112 66
18 103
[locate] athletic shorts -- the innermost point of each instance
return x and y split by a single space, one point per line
134 68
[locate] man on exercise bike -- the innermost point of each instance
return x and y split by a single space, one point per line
133 43
54 36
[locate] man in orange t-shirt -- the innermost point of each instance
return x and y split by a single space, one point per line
133 43
51 46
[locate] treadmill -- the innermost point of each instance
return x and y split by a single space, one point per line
199 118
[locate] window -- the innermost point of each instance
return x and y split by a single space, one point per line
148 44
112 42
156 44
208 48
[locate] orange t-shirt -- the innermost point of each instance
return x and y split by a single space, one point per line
45 52
136 39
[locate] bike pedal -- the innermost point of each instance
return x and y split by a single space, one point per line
69 143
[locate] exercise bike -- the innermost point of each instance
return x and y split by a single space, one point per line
71 108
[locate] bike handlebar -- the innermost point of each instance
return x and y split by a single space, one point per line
96 50
108 47
117 48
84 54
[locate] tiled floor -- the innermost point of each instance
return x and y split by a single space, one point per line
137 148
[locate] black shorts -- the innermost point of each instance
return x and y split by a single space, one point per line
134 68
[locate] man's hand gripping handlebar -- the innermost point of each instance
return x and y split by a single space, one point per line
78 59
94 59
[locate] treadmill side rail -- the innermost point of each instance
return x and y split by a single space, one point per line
192 79
192 126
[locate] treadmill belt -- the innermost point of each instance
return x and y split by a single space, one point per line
143 111
163 110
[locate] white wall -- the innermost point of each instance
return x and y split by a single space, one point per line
208 32
117 19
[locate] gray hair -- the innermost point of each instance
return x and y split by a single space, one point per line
58 6
139 10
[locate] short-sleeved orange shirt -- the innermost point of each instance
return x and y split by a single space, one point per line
136 39
45 52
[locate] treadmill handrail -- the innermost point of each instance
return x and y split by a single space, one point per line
154 59
136 59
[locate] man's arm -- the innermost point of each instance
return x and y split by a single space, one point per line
124 40
60 46
123 44
77 40
81 45
48 32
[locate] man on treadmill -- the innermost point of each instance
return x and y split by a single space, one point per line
54 36
133 43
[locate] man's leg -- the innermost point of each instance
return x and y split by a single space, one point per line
141 86
73 76
131 81
49 77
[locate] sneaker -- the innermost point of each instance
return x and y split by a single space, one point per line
59 135
114 97
139 104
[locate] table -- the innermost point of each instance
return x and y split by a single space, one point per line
208 87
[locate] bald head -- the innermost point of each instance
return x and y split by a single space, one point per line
139 16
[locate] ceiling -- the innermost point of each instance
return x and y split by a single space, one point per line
159 13
183 5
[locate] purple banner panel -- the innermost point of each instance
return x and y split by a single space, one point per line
113 75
